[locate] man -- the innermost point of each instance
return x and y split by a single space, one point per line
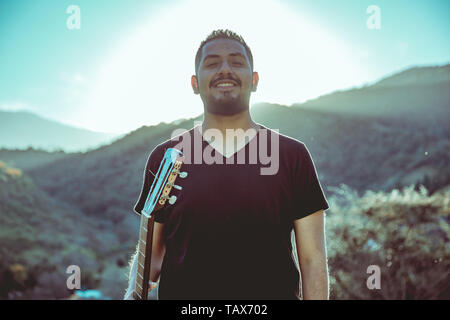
228 236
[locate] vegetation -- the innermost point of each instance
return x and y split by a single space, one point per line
40 238
404 232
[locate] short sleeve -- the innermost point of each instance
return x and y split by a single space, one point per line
151 168
308 196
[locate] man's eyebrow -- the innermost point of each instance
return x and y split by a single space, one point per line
237 54
234 54
211 56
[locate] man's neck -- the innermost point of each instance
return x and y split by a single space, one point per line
241 120
238 121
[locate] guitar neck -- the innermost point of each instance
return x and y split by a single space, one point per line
160 189
144 257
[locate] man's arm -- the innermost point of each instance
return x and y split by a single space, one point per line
312 256
158 252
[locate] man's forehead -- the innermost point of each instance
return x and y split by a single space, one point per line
223 47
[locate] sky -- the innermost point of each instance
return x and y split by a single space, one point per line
128 63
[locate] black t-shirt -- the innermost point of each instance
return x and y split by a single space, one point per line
228 236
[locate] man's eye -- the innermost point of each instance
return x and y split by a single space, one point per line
237 63
212 64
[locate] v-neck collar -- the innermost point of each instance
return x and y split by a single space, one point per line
204 141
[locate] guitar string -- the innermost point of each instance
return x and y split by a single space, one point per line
152 173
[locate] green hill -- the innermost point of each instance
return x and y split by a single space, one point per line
30 158
418 95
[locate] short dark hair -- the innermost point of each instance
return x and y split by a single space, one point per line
222 34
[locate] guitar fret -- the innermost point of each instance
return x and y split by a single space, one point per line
140 287
141 259
144 222
139 296
140 270
140 264
140 276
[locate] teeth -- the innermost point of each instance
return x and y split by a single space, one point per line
225 85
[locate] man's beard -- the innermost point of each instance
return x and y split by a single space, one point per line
226 107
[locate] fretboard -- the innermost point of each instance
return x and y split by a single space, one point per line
144 257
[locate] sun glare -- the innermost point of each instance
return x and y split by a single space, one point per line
146 80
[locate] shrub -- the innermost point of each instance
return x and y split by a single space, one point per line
404 232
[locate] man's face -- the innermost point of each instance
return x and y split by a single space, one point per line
224 78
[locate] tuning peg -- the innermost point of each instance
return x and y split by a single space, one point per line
172 199
177 187
183 174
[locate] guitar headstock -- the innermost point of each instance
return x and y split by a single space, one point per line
168 171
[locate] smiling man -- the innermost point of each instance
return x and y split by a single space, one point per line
225 92
228 236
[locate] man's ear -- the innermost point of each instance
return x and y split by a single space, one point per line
194 84
255 80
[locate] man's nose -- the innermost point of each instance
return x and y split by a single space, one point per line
225 68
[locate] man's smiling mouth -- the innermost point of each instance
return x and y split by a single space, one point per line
225 84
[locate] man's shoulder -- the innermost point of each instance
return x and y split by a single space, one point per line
173 142
176 137
286 142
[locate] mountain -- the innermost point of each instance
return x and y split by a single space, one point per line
424 76
417 95
21 130
30 158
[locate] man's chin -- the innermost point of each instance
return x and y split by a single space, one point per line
226 107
